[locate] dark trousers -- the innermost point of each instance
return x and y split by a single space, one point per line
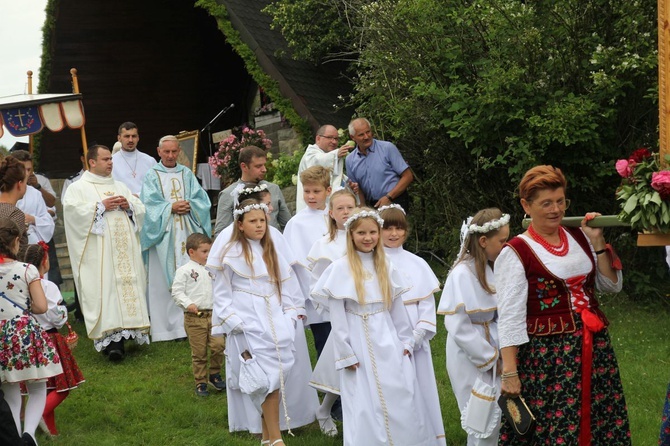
402 200
8 434
320 332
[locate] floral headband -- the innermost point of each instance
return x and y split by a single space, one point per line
241 190
492 225
363 214
249 208
391 206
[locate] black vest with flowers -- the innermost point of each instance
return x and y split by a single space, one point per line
549 309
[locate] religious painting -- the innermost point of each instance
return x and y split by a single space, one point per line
188 141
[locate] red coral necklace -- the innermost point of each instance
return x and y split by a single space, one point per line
558 250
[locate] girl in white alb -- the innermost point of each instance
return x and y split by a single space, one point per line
381 401
420 305
323 252
253 307
469 304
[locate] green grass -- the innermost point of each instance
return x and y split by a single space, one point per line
148 399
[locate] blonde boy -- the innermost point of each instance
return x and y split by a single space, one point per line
192 291
305 228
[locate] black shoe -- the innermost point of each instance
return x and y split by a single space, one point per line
201 389
116 355
28 440
217 381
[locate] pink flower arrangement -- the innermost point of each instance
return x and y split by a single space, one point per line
644 192
225 162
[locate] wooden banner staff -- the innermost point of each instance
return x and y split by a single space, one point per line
663 84
603 221
75 89
30 91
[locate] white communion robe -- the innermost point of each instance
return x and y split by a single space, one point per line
472 340
301 400
106 260
381 400
301 231
324 252
131 167
32 203
420 305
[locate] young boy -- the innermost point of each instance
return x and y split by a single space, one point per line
305 228
192 291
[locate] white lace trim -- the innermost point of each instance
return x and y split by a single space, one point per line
139 336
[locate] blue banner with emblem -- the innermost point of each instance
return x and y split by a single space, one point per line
22 121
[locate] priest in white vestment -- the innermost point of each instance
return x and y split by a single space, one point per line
102 225
323 152
176 206
131 165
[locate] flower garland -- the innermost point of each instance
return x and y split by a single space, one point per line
391 206
248 208
241 190
492 225
363 214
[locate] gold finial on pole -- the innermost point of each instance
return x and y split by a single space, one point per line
75 89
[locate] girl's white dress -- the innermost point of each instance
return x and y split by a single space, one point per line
245 299
381 400
324 251
420 304
472 339
301 400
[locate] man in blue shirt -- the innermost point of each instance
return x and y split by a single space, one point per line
377 167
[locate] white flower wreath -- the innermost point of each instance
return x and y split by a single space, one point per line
363 214
250 207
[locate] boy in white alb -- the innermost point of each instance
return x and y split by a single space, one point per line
192 291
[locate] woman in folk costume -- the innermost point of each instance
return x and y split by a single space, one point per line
469 304
381 400
554 343
420 304
254 308
301 400
324 251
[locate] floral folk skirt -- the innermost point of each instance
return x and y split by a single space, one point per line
26 351
550 370
71 376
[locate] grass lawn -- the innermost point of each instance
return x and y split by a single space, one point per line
148 399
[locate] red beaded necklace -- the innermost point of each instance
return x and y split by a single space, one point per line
558 250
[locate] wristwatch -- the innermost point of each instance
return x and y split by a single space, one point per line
38 187
389 197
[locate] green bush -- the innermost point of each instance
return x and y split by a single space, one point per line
283 170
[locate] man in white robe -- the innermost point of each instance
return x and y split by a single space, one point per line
324 152
102 225
176 206
131 165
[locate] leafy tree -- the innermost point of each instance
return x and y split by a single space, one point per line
476 92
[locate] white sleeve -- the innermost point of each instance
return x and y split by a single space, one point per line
512 292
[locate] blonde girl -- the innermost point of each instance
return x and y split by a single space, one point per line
420 304
253 306
59 386
327 249
469 304
381 403
27 353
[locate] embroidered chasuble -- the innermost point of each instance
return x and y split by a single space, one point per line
106 260
163 240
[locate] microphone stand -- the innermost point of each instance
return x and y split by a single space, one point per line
209 125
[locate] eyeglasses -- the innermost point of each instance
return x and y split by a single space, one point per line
549 205
332 138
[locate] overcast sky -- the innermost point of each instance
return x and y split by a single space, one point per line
20 49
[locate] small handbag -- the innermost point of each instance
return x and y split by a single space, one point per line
481 415
519 416
252 379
